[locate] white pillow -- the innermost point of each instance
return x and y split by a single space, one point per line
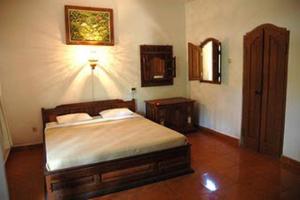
116 112
76 117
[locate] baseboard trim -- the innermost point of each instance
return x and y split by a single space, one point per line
26 147
220 135
290 163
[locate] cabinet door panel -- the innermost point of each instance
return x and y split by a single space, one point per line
158 66
252 87
176 118
274 90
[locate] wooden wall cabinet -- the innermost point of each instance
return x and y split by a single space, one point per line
175 113
158 66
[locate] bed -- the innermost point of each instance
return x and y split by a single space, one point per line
96 157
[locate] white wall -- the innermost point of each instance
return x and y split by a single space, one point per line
221 106
5 140
3 183
38 70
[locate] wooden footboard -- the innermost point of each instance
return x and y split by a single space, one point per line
112 176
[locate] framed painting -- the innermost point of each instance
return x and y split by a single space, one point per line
89 26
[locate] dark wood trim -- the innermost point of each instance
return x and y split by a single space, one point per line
72 42
267 25
214 82
214 40
290 163
26 147
220 135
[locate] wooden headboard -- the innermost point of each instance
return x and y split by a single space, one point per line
92 108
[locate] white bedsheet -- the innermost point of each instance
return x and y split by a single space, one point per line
97 140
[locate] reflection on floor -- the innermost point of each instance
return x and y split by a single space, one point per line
222 171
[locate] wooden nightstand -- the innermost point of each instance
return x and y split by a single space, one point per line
175 113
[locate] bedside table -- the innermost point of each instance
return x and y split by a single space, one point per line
175 113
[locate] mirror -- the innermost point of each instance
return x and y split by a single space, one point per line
211 61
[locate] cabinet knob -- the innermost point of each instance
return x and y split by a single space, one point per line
258 92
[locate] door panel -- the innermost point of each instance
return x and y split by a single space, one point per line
194 58
176 118
274 87
216 53
253 63
264 89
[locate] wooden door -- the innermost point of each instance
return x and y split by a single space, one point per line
274 89
253 66
264 88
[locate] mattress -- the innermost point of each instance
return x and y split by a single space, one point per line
99 140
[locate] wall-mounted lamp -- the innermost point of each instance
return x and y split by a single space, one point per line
93 63
93 60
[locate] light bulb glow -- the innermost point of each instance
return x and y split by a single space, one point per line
93 60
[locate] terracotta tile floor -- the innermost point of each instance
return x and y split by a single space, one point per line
222 171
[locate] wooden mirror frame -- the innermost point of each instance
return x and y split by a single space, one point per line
216 61
158 65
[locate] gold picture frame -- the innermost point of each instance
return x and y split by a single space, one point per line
89 26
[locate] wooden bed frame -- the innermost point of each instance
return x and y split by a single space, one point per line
111 176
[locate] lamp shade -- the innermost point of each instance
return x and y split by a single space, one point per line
93 60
